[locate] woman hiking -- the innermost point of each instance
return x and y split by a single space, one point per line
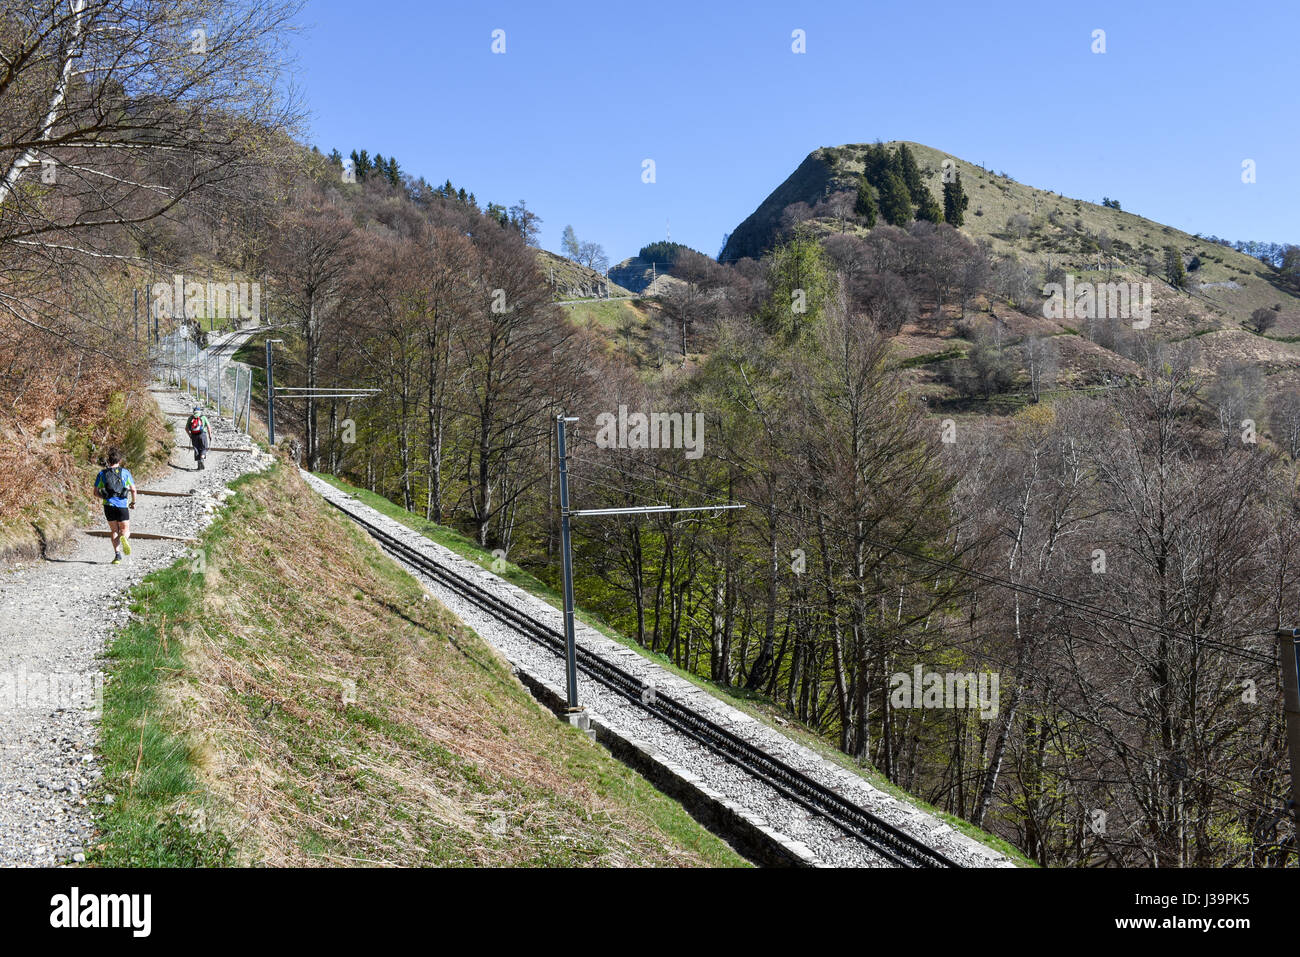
197 428
116 487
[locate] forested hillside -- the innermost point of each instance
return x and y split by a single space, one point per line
938 473
1118 555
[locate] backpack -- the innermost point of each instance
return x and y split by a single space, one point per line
195 425
114 486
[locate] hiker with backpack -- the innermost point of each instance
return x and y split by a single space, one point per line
197 428
116 487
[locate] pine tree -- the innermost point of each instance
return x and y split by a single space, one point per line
360 164
955 201
895 204
875 163
911 174
1174 272
393 172
865 206
928 208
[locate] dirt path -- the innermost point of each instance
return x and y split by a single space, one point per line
55 616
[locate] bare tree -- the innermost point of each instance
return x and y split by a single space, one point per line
1285 420
311 263
114 111
1262 320
592 255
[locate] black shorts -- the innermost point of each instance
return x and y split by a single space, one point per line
117 513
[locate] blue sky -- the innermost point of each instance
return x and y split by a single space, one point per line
714 95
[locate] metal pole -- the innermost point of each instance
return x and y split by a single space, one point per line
1288 649
270 395
218 388
135 314
570 649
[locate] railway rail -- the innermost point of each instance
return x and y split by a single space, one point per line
880 836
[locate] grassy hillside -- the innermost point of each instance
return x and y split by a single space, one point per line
57 475
1094 243
321 709
573 281
1061 231
753 704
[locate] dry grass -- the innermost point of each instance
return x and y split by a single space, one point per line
442 758
60 407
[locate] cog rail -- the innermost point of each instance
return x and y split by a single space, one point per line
880 836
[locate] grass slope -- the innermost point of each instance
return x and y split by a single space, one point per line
567 275
133 421
312 705
754 705
1225 289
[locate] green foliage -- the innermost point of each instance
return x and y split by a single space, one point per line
895 202
1175 275
911 173
876 162
955 202
663 252
147 769
865 205
800 281
928 208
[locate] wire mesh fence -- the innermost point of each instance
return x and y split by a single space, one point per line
207 374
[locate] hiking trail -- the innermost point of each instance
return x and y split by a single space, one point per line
57 615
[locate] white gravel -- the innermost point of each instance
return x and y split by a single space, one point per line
56 616
829 845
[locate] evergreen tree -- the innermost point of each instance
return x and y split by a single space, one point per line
955 201
393 172
928 208
876 162
1174 272
360 164
911 174
895 204
865 206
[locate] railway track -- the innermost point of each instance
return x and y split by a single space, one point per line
880 836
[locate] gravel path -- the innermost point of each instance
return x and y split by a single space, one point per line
827 843
56 616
